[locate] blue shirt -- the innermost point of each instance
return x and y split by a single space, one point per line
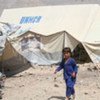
68 67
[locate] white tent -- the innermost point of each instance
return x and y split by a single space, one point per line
11 62
60 26
40 49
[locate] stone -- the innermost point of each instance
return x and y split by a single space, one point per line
56 85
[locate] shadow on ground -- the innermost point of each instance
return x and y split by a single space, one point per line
57 97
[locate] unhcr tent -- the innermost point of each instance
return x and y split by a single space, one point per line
55 27
41 49
11 62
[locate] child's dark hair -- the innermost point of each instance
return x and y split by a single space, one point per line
66 49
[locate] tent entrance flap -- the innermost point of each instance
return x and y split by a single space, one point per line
93 49
80 54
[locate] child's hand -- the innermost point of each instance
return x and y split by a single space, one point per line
55 72
73 74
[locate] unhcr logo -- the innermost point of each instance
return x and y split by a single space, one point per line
30 19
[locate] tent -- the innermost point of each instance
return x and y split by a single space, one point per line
41 49
11 62
56 27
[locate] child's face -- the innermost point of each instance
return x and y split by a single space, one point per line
66 55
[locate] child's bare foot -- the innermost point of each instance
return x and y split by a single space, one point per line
67 98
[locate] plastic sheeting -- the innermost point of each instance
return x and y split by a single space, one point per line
2 44
43 50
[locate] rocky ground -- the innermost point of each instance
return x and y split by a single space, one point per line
39 83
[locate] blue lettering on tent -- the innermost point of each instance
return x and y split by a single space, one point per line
30 19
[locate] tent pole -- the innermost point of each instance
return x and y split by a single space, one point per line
64 40
2 69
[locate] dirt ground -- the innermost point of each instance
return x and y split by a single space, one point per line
39 83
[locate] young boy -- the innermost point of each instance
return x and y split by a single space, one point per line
69 70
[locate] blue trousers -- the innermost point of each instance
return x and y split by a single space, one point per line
70 88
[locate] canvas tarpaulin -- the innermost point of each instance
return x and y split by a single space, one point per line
93 51
2 44
36 48
11 61
79 22
43 50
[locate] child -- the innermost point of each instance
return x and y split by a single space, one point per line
69 70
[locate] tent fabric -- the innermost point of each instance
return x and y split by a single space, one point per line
93 33
11 61
2 44
43 50
93 51
72 18
55 27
